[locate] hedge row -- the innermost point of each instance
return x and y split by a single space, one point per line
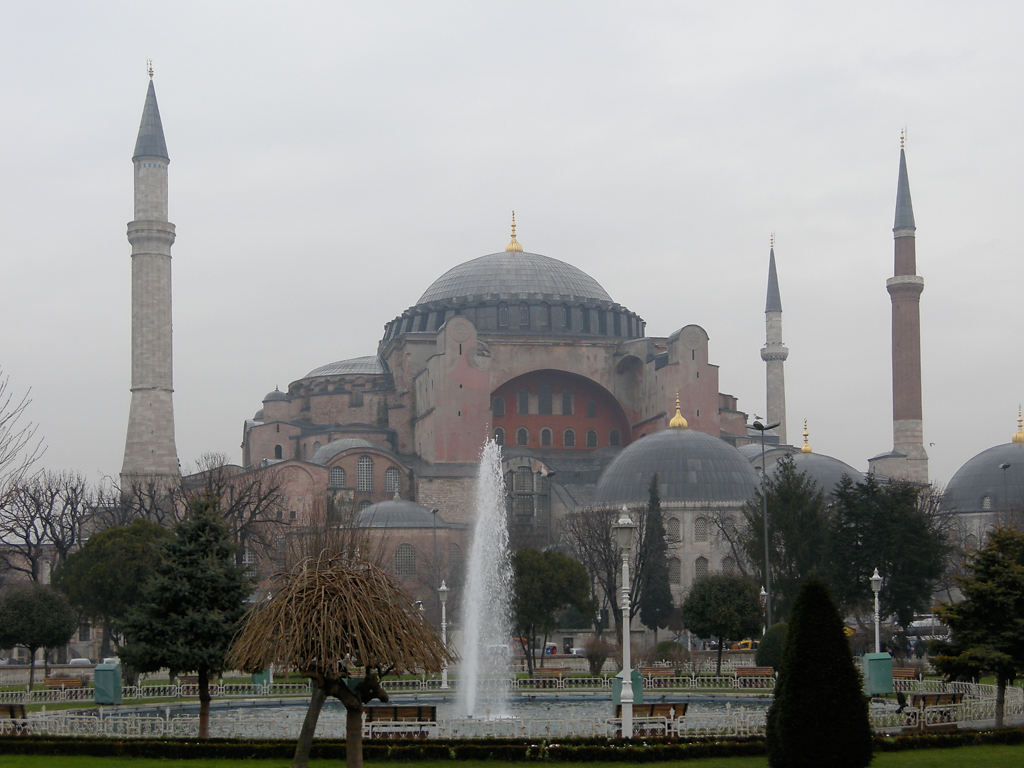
506 750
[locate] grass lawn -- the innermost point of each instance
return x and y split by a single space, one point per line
963 757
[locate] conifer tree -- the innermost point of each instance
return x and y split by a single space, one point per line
192 605
819 716
655 592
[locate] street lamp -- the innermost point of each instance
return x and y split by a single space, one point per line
764 513
624 529
1006 498
442 592
876 587
762 598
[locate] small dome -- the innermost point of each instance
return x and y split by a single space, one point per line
325 453
258 416
691 466
368 365
398 513
826 471
511 273
276 396
982 485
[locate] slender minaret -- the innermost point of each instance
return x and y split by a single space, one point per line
149 451
774 352
905 288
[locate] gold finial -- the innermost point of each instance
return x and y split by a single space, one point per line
903 137
149 68
677 421
771 241
805 448
1019 435
513 244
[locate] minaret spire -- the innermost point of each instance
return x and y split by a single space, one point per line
150 456
908 459
774 352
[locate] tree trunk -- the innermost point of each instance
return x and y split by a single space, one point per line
718 669
305 743
1000 699
353 737
31 667
204 703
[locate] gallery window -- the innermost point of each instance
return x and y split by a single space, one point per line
700 567
364 474
337 478
405 560
591 438
522 436
700 529
392 480
545 438
569 439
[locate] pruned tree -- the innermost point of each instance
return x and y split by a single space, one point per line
987 626
344 623
797 536
725 606
655 593
545 583
819 715
191 606
33 617
20 446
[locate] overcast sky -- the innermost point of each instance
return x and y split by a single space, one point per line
330 160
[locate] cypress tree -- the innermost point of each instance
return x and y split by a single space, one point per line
820 715
655 592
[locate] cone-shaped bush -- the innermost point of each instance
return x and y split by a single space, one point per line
769 652
820 714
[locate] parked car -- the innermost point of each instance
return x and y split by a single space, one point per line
81 662
111 660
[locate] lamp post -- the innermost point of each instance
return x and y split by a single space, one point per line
1006 498
442 593
876 587
762 598
624 529
764 513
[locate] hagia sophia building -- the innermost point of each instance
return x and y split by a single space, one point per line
535 353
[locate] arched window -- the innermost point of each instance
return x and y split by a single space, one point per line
316 446
675 570
591 409
522 436
405 560
364 474
522 402
337 479
591 438
277 451
728 565
392 480
673 530
498 406
700 567
503 315
567 316
522 480
614 439
569 439
970 541
567 403
545 437
986 502
700 529
524 315
499 436
544 399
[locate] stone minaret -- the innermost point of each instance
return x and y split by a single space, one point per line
774 352
908 459
149 451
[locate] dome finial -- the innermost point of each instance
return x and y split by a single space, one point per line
677 421
513 244
903 137
805 448
1019 435
149 68
771 240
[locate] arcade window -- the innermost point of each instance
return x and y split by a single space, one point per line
392 480
405 560
569 439
545 437
337 478
591 438
522 436
364 474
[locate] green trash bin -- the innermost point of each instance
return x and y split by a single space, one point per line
107 684
263 679
638 688
877 673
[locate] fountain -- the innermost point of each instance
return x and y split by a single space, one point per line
484 670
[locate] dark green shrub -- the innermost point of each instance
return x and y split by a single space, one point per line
671 651
769 652
820 715
597 652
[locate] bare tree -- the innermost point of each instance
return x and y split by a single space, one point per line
328 613
20 448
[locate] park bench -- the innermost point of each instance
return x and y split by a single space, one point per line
655 718
549 677
63 682
399 722
942 720
751 677
188 679
658 677
904 673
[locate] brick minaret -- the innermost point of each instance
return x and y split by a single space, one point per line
149 451
774 352
908 459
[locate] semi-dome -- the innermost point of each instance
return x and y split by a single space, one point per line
366 365
398 513
325 453
276 396
691 466
512 273
983 485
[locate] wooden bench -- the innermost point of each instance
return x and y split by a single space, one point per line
63 682
400 722
549 677
188 679
652 719
904 673
751 676
658 677
669 709
923 700
918 721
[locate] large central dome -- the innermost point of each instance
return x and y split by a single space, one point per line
512 273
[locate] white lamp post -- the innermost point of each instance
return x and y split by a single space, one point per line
624 529
763 599
876 587
762 428
442 592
